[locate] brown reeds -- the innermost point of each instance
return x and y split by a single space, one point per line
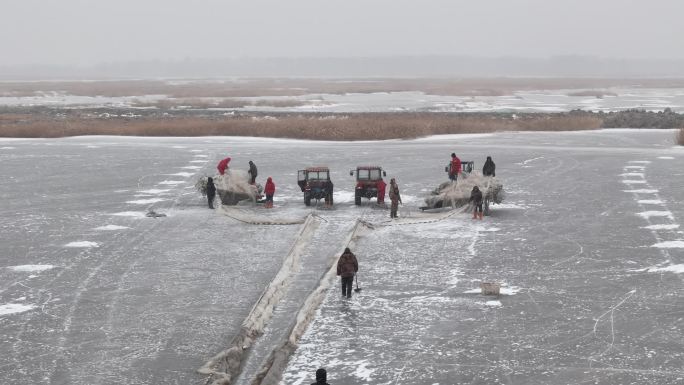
369 126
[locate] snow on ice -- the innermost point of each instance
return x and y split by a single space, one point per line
13 308
146 201
633 181
649 214
183 174
31 268
677 269
154 191
650 202
642 191
662 227
670 245
132 214
82 244
111 228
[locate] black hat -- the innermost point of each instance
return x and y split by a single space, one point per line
321 375
346 250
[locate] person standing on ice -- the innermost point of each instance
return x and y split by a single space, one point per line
394 197
454 167
489 168
329 193
321 377
476 198
252 172
347 266
381 191
269 190
211 192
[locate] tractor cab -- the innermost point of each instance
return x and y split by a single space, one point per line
312 181
367 178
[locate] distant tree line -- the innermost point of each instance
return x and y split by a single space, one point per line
635 118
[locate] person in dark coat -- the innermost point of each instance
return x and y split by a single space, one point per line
454 167
321 377
252 172
329 193
394 197
211 192
347 266
489 168
269 190
476 198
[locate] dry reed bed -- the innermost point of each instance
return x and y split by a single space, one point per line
370 126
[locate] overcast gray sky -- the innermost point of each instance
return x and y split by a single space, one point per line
86 32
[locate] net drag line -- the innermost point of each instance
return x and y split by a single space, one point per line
226 365
271 371
243 217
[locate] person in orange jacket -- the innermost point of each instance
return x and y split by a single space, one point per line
269 190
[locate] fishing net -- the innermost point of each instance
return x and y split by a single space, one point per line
458 194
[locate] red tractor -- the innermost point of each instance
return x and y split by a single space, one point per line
313 181
367 178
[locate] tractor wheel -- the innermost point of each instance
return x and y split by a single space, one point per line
307 199
357 198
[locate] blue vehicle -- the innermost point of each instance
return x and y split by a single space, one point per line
312 182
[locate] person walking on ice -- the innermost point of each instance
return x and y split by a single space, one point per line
394 197
347 266
476 198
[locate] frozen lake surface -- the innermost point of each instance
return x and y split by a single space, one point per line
649 99
588 244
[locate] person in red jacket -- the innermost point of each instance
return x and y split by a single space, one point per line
347 266
269 190
381 191
223 165
454 167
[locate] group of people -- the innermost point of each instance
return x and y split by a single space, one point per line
476 196
269 188
454 169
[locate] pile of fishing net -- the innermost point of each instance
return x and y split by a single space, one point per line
450 194
232 187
